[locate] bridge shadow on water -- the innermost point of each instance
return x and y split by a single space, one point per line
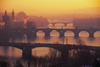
47 37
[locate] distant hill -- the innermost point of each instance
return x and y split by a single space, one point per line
80 13
95 10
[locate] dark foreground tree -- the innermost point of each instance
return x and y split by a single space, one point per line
4 64
96 63
81 57
18 64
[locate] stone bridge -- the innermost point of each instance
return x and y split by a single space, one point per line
64 49
33 32
62 31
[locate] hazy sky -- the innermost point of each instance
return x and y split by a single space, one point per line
46 7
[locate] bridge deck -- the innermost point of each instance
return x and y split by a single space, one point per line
55 46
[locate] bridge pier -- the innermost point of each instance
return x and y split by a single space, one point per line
76 34
47 34
35 34
61 34
26 53
91 35
53 25
65 24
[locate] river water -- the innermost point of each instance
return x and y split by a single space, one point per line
54 38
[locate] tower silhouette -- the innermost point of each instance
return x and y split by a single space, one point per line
6 20
12 16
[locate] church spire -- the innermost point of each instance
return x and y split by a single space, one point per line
13 13
6 20
5 12
12 16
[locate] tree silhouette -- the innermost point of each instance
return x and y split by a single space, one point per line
4 64
18 64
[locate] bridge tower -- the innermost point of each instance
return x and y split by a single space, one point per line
27 52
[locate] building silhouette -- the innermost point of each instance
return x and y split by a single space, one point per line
30 24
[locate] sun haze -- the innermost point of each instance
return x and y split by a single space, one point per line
46 7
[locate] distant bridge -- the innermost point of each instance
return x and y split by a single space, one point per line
64 49
65 23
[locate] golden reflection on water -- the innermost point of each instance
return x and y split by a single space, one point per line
84 34
54 33
97 34
10 52
40 51
68 33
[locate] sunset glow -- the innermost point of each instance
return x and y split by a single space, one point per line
46 7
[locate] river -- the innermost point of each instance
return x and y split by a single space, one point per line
54 38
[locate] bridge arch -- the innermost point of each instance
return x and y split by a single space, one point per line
12 46
69 24
96 34
60 24
42 51
40 33
47 47
84 33
11 51
54 33
50 24
69 33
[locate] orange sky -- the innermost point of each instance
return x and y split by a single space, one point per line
46 7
